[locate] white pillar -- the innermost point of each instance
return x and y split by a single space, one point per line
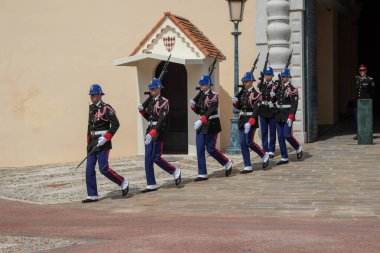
278 33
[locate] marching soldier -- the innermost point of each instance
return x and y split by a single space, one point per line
287 103
365 86
248 101
155 111
267 111
102 126
207 128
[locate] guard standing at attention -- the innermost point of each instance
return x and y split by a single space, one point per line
102 126
365 86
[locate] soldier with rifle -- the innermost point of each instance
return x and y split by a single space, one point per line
208 126
365 86
102 126
248 101
267 109
155 110
286 108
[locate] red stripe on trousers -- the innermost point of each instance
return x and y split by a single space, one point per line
217 150
113 172
255 144
162 148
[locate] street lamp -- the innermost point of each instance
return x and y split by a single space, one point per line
236 8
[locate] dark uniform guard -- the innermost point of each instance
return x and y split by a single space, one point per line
155 111
249 102
287 103
102 126
267 111
365 86
207 128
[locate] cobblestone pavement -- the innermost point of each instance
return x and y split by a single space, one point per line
327 202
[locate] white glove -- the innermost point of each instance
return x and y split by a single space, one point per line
289 122
270 104
247 127
197 124
235 100
101 141
140 107
272 94
148 139
192 103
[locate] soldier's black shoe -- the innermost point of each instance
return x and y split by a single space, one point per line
355 138
299 155
282 162
228 168
178 180
85 201
125 191
265 161
246 171
177 177
125 187
200 179
148 190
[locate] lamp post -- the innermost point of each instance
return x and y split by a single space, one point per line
236 8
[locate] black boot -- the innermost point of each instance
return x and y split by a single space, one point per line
85 201
282 162
200 179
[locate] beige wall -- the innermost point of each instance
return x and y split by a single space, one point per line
51 51
326 65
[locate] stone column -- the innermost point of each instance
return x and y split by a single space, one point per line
278 33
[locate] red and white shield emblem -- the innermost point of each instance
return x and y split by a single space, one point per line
169 43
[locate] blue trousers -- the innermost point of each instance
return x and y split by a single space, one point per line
247 141
102 159
153 152
284 132
264 124
208 141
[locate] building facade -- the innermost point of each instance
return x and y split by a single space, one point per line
51 52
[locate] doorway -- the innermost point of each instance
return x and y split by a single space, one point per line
175 83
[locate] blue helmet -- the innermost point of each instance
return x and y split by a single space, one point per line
95 89
268 71
285 73
248 77
205 80
155 83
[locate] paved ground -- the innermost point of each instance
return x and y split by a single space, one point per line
328 202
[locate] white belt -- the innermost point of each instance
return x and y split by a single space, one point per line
283 106
246 113
266 103
214 116
100 132
152 123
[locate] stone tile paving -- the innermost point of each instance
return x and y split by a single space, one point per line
336 179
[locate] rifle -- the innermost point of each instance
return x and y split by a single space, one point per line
262 72
163 72
164 69
210 70
286 66
252 69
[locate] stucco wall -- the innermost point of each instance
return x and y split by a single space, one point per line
51 51
327 61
